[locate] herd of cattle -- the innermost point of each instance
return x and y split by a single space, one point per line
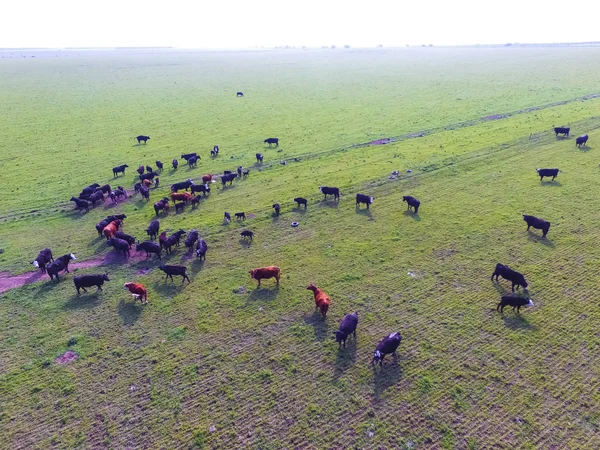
111 227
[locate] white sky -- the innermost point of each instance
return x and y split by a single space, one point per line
249 23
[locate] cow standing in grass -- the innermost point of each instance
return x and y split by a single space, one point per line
138 291
321 299
264 273
534 222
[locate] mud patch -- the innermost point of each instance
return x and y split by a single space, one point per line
445 253
493 117
251 216
381 141
240 290
143 271
66 357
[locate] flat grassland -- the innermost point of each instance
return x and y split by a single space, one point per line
221 364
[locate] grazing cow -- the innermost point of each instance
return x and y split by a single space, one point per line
228 178
321 299
192 162
277 208
149 169
259 157
239 171
175 163
179 207
562 130
388 344
159 165
581 140
207 178
272 141
81 204
86 281
119 169
156 182
110 229
138 291
511 275
361 198
126 237
239 94
247 234
196 201
148 176
240 215
162 205
61 263
43 258
330 191
547 173
120 245
301 201
175 270
347 327
200 188
411 202
187 156
141 138
227 217
514 301
264 273
96 197
201 249
534 222
140 170
149 247
191 239
153 228
182 185
245 172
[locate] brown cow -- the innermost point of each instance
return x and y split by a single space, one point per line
264 273
207 178
110 229
182 196
321 299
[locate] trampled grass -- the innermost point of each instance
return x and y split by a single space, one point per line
221 364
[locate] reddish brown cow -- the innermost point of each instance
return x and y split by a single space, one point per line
264 273
207 178
321 299
182 196
138 291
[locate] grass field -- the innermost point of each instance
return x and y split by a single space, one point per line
221 364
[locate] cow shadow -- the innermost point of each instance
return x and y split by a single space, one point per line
330 204
501 289
263 294
196 266
531 236
169 288
299 210
345 358
245 243
319 324
274 218
517 322
129 311
364 212
412 215
386 376
83 301
584 148
550 183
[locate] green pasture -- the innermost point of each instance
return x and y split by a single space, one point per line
220 364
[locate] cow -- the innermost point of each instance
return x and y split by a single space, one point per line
148 176
145 192
175 270
330 191
140 170
61 263
141 138
226 172
200 188
96 197
81 204
387 345
514 301
277 208
245 173
511 275
547 173
149 247
102 224
207 178
156 182
138 291
259 157
215 151
196 201
247 234
193 161
43 258
347 327
361 198
301 201
562 130
159 165
86 281
201 249
321 299
168 243
191 239
187 156
534 222
181 196
227 217
240 216
264 273
110 229
239 171
136 187
126 237
104 189
149 169
581 140
119 169
182 185
179 207
89 190
162 205
174 163
239 94
153 228
411 202
228 178
272 141
120 245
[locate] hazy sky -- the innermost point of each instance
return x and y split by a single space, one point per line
246 23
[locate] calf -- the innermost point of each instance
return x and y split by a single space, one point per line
228 178
175 270
86 281
61 263
361 198
42 259
149 247
119 169
159 165
201 249
191 239
200 188
321 299
193 161
138 291
388 345
143 138
227 217
347 327
277 208
330 191
301 201
120 245
411 202
136 187
182 185
534 222
239 94
110 229
581 140
513 276
562 130
196 201
245 172
239 171
126 237
264 273
153 228
272 141
162 205
247 234
514 301
179 207
156 182
174 163
187 156
81 204
547 173
259 157
240 215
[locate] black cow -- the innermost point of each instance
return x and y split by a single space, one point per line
175 163
227 217
514 301
196 201
226 172
140 170
136 187
61 263
119 245
239 94
43 258
175 270
187 156
159 165
162 205
182 185
562 130
179 207
200 188
86 281
153 228
330 191
141 138
149 247
239 171
89 190
259 157
191 239
547 173
277 208
581 140
101 225
240 215
96 197
215 151
347 327
247 234
513 276
361 198
534 222
81 204
411 202
387 345
301 201
193 161
126 237
145 192
104 189
272 141
119 169
201 249
148 176
156 182
228 178
149 169
245 173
